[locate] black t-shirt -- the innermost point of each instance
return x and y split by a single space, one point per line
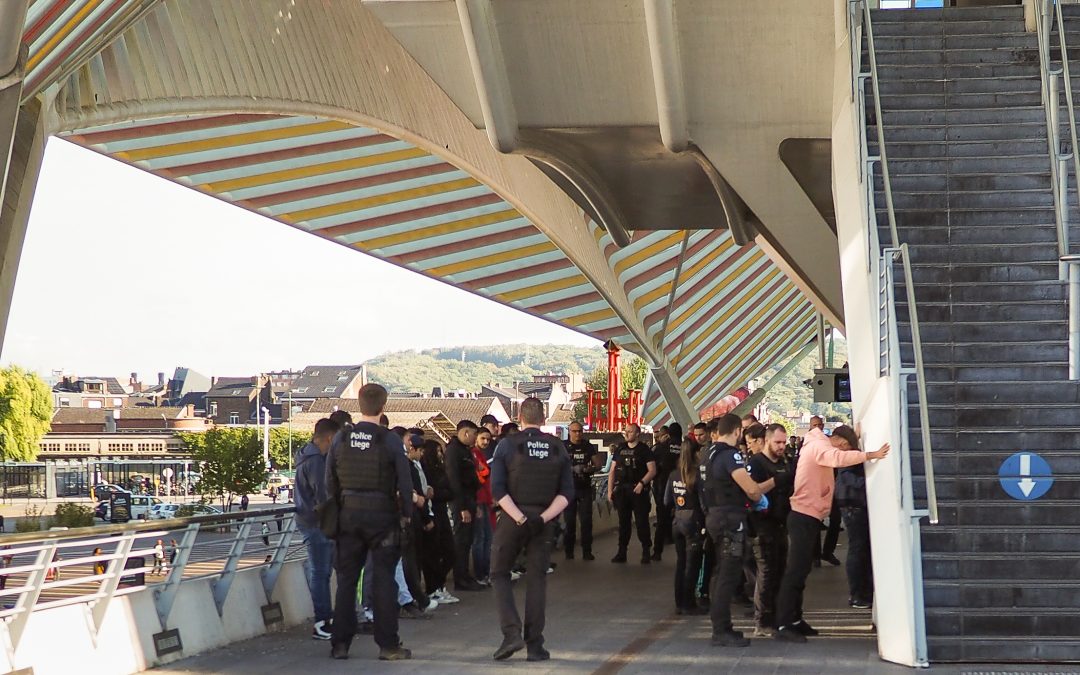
631 464
581 463
667 457
761 469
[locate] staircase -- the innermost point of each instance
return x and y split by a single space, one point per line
966 140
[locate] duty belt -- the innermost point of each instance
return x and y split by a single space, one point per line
366 499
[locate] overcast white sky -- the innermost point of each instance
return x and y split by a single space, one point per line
125 272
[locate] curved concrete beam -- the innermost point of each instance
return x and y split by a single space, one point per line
667 74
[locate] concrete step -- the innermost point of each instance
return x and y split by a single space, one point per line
984 254
1010 292
1005 99
976 217
965 236
902 17
948 87
1010 393
956 71
984 182
1013 40
1011 417
1004 199
998 149
979 451
963 372
932 56
1050 310
1036 163
925 133
987 332
941 116
940 28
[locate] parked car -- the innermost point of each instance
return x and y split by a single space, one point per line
101 511
278 483
164 511
103 490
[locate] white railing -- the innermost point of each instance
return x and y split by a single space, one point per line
92 565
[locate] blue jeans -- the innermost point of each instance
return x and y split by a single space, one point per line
481 548
403 595
320 560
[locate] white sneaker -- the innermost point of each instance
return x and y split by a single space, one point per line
514 575
320 632
433 604
446 598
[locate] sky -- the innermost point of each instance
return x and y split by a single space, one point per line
125 272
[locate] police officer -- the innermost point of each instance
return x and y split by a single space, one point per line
727 490
532 482
770 542
666 453
681 496
629 478
367 473
584 462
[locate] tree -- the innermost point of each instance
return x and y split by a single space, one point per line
25 413
230 459
279 445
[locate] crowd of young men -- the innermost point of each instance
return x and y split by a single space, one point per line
743 510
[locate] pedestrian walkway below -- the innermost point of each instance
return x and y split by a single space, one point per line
602 618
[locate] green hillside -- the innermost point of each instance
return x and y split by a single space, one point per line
470 367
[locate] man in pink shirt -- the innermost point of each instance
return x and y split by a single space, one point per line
811 502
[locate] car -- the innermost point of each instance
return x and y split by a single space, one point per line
278 483
165 511
101 511
103 490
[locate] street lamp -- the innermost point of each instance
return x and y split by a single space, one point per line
266 437
290 428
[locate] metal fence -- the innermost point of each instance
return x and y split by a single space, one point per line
93 565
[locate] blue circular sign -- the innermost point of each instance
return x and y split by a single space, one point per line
1025 476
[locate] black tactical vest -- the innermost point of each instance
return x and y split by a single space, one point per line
534 470
628 469
364 463
580 460
719 489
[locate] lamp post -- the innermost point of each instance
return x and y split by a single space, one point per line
266 437
290 429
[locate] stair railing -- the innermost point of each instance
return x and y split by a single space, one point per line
896 251
1053 79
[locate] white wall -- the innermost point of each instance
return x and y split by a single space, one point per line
873 397
125 643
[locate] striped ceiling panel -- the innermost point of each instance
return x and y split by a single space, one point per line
62 34
733 314
372 192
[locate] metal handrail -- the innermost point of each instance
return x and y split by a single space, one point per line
1072 262
1063 234
916 338
1048 80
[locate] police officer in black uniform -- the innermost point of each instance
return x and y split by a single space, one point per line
681 496
770 541
666 453
584 462
367 473
532 483
727 491
631 473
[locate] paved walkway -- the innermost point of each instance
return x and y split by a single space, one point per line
602 618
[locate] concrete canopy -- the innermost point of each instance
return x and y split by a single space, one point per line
314 116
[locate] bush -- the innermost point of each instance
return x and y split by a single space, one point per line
70 514
31 520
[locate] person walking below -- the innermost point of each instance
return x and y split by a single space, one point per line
367 474
850 495
681 498
584 463
461 472
810 503
159 558
631 473
310 492
532 482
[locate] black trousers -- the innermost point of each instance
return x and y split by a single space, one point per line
509 540
579 508
664 515
803 531
636 507
708 564
438 549
860 570
411 552
688 554
832 535
363 532
770 554
463 541
728 532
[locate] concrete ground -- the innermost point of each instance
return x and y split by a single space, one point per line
602 618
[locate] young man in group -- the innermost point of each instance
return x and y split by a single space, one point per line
810 503
770 543
483 523
310 492
461 470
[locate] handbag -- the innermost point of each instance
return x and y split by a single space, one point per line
329 513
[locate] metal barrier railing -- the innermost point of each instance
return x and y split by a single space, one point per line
1072 263
93 565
